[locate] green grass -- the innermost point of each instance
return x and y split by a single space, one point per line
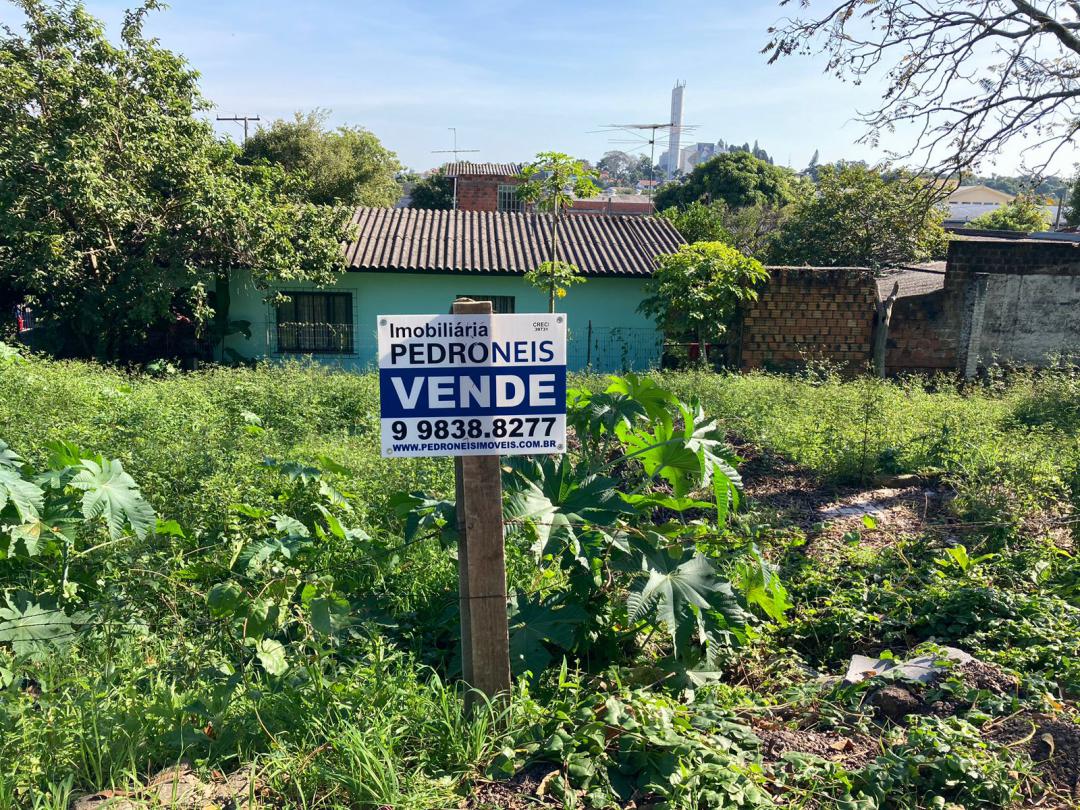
378 721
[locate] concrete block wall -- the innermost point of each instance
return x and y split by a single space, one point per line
1026 302
811 314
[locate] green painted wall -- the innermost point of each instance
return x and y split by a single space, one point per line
621 337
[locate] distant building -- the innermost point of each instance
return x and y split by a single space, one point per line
698 153
485 186
966 203
670 160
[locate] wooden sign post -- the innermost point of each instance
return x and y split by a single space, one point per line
485 634
475 386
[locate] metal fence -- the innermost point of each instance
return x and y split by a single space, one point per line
613 348
596 348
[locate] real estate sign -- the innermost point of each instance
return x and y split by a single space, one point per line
472 385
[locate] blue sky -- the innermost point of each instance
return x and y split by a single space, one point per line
514 77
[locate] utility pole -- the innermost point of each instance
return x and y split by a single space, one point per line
240 119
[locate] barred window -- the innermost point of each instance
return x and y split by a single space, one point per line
508 198
315 323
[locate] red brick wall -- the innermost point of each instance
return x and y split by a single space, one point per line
811 313
924 333
480 192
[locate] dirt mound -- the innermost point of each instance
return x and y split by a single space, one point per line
1053 743
976 674
526 789
851 751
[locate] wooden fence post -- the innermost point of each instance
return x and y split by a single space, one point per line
485 643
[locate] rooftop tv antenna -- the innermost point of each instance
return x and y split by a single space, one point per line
455 151
240 119
647 135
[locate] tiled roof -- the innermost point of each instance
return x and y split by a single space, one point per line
465 168
913 281
409 239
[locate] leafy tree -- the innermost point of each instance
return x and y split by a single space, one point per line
436 191
551 183
617 164
119 208
737 178
749 229
699 288
347 165
860 218
1024 213
967 78
700 222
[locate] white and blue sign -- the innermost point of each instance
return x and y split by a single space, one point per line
472 385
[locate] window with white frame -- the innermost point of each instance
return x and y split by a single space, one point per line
508 198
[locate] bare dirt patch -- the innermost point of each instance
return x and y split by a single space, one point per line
831 516
181 788
850 751
525 789
1053 743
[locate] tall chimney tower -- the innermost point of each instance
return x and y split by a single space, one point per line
674 153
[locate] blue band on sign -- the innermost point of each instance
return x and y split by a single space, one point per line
465 392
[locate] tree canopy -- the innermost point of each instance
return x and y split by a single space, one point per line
698 289
436 191
119 208
1024 213
859 217
749 229
964 77
737 178
348 165
623 168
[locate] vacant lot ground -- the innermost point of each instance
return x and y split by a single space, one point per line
284 632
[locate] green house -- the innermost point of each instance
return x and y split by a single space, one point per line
407 261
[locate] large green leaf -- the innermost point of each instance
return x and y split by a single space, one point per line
599 414
34 630
556 499
759 584
422 512
57 523
8 457
111 493
26 496
703 438
534 626
271 654
655 400
680 589
663 453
